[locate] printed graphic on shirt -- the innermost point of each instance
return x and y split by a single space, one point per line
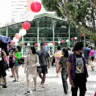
79 65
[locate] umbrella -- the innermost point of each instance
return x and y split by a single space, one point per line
5 39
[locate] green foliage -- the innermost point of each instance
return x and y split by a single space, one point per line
76 13
88 32
52 5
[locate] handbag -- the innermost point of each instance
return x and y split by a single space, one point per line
6 66
39 69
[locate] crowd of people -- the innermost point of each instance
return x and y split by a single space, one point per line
10 61
72 64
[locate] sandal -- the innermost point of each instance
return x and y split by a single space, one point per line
34 89
4 86
28 92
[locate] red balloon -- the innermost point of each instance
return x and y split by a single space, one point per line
17 36
26 25
83 35
63 41
22 44
72 39
36 45
36 6
12 42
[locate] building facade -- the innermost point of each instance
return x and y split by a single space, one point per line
18 10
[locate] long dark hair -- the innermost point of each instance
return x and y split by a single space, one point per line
33 50
58 48
19 48
65 51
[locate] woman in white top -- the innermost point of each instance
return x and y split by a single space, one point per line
31 63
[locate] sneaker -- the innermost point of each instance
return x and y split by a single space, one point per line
4 86
43 86
14 80
11 76
18 80
0 86
28 92
41 82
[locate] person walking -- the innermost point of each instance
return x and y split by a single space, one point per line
63 66
86 52
17 55
44 60
95 53
92 56
12 60
58 55
2 68
77 70
31 63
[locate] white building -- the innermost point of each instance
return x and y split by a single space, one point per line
18 10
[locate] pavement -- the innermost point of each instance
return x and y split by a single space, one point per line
53 85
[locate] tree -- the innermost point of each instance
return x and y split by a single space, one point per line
74 11
79 13
52 5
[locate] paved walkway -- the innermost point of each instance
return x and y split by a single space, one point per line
53 85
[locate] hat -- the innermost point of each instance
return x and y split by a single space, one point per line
42 44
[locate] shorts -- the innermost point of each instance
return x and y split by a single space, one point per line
78 84
11 65
16 64
87 61
92 58
2 71
44 69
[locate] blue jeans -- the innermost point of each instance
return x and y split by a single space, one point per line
64 82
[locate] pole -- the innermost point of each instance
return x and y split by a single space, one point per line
84 41
22 46
53 28
69 35
7 31
38 34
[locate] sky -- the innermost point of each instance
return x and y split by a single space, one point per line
5 13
